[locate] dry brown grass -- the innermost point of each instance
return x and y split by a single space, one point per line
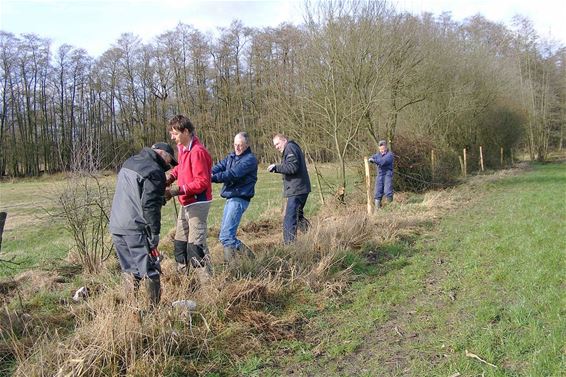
113 335
27 284
235 314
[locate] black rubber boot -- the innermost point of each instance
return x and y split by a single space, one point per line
303 225
153 286
181 256
196 254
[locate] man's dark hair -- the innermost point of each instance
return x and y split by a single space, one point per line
181 123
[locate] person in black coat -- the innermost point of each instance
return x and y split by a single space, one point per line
296 185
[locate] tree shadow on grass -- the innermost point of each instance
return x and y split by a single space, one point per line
379 260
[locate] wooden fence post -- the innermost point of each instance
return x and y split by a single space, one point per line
501 156
481 158
3 216
368 185
432 163
465 163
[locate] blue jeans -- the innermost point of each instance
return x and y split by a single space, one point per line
233 211
294 217
384 185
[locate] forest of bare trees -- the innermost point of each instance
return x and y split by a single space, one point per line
351 74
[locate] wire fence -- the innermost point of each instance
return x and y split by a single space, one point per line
419 177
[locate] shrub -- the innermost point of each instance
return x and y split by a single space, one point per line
84 204
413 164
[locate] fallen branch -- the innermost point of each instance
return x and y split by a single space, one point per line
398 332
10 263
474 356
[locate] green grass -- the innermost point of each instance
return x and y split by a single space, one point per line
31 236
489 279
509 271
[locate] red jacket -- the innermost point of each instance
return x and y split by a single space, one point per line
193 174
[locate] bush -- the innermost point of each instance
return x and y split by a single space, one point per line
413 165
84 204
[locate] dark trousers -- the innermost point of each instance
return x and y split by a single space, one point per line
133 254
294 217
384 185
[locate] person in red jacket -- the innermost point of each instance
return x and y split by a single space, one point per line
194 192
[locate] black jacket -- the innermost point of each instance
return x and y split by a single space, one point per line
238 173
138 199
296 179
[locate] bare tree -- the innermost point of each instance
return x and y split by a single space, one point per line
8 156
335 61
536 93
352 66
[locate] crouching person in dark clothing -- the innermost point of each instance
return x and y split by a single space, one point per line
135 219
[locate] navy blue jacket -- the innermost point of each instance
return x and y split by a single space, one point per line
296 179
238 173
385 162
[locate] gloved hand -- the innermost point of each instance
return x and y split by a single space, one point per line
371 160
271 168
155 258
153 241
171 192
170 179
155 253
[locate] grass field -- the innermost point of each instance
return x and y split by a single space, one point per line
462 282
489 280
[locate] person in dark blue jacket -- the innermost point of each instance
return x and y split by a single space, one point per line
238 172
296 185
384 182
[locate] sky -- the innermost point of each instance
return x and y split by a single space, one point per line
96 24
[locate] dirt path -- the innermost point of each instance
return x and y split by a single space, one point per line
391 346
